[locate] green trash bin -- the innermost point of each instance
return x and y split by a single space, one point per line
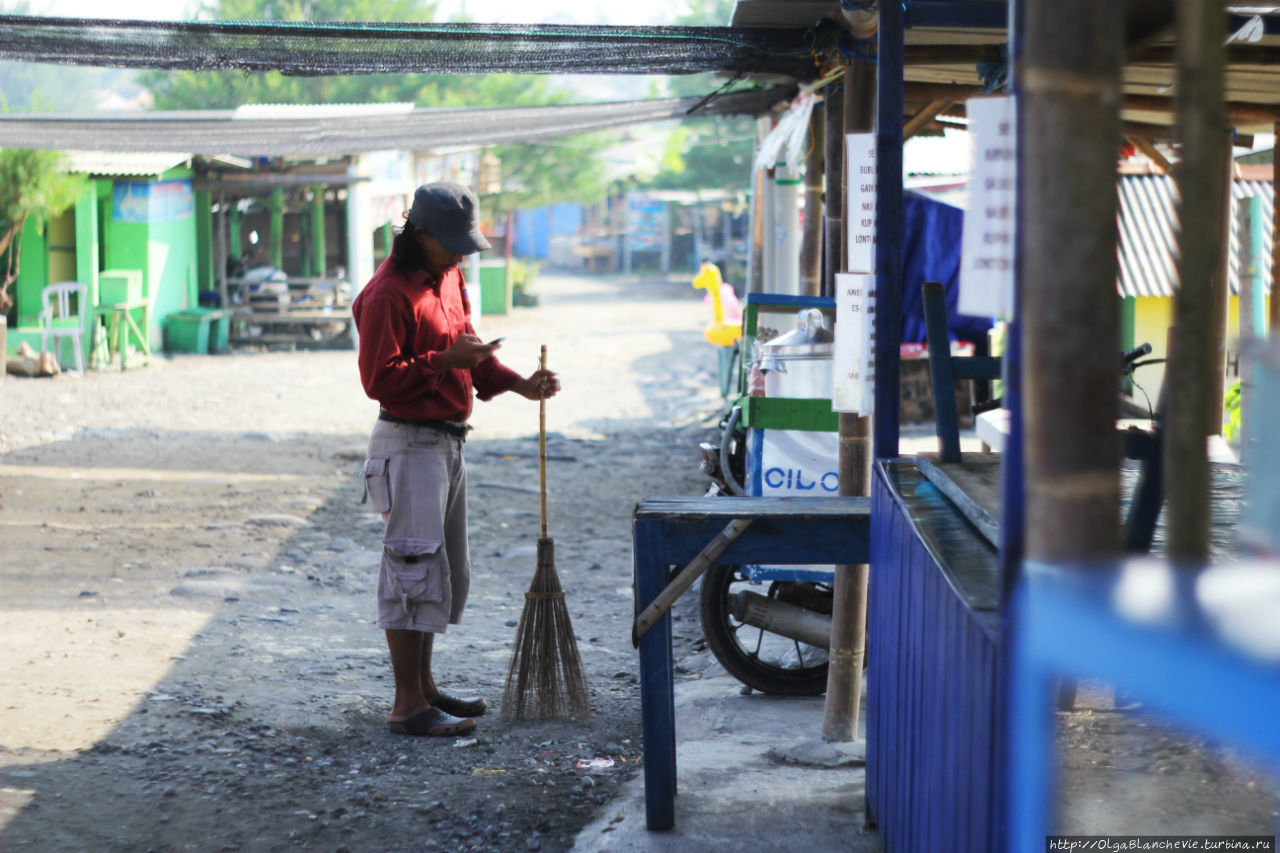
198 330
495 297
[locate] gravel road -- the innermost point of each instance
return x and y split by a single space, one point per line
189 657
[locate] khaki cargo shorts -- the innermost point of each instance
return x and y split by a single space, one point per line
415 476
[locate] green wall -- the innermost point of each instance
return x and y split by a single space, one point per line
165 248
33 272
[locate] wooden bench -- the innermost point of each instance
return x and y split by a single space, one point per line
295 319
670 532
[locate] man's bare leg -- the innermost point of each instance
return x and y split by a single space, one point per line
407 656
428 682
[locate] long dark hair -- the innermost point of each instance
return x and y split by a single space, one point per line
406 251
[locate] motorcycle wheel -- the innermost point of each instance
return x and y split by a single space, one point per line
760 659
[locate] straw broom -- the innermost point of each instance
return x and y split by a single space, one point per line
545 680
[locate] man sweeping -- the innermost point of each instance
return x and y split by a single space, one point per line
421 359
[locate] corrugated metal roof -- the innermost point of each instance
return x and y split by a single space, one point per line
1148 225
949 154
220 132
142 163
297 111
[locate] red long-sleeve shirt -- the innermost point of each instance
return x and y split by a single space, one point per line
406 319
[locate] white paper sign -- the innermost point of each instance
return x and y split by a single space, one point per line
987 249
861 227
854 358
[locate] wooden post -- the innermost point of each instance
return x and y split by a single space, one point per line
1221 298
1073 58
811 235
849 605
1275 229
756 255
508 249
220 268
277 228
833 164
1250 294
1199 176
319 251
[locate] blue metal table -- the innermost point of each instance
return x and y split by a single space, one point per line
1201 648
669 532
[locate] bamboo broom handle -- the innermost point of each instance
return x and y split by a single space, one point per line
542 445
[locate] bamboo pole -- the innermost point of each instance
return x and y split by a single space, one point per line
833 166
1149 149
811 236
922 118
1199 177
849 606
1071 327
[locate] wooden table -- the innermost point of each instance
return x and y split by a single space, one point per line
120 327
670 532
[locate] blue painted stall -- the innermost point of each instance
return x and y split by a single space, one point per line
933 645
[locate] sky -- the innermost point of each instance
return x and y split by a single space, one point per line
484 11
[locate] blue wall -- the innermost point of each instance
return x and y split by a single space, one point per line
535 228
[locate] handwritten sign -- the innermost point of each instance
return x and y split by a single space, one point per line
854 358
990 237
861 229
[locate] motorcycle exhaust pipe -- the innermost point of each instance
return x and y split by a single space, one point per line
779 617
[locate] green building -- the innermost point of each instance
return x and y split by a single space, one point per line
136 220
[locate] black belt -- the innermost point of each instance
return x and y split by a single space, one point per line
453 428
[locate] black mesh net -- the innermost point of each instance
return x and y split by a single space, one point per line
311 48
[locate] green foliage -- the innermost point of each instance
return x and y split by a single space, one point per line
533 174
230 89
31 184
1231 408
712 153
523 274
29 87
540 173
708 153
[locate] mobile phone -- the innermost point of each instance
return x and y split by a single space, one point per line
495 341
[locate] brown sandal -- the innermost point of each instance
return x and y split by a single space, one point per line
432 722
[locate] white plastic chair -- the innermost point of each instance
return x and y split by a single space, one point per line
64 323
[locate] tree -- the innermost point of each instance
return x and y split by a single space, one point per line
31 184
32 86
713 152
230 89
532 173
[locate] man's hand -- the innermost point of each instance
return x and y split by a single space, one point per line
539 384
466 352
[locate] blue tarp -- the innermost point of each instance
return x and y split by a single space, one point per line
932 253
535 228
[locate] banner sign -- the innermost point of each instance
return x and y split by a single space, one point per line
142 202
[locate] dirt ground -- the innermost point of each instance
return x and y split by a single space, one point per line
189 658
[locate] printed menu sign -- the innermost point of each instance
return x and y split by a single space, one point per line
987 249
861 227
854 358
